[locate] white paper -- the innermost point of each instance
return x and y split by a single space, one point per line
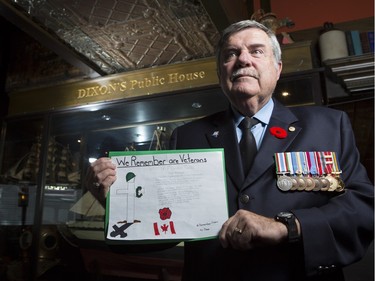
162 195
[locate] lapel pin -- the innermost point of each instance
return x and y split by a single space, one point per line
278 132
292 129
215 134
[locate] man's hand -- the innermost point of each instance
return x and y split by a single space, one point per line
246 230
100 176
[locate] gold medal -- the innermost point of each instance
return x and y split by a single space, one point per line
325 184
336 172
317 183
310 183
301 183
310 171
340 184
333 183
294 183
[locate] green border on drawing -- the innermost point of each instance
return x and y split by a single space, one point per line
155 152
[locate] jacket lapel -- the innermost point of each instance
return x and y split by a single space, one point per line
283 118
223 135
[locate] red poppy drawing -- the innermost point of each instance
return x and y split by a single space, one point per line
165 213
278 132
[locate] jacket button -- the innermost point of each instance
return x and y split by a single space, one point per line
244 198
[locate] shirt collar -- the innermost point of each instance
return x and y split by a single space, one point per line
263 115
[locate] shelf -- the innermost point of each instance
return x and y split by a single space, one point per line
355 73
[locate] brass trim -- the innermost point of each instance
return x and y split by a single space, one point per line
118 87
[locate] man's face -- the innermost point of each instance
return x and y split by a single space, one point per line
248 67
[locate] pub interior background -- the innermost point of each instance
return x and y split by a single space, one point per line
79 78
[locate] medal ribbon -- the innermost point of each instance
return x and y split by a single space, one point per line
289 163
311 163
296 167
305 168
318 163
336 164
281 167
328 161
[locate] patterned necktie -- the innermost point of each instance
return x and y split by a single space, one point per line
248 147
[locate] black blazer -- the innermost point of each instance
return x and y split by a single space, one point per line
336 227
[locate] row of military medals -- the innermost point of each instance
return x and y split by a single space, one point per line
309 171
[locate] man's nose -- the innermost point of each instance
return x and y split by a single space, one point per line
244 58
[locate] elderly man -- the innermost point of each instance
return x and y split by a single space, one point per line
302 207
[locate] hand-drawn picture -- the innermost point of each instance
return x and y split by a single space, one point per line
131 193
162 195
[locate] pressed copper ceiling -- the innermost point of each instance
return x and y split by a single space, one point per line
122 35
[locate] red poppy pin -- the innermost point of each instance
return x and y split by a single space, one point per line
278 132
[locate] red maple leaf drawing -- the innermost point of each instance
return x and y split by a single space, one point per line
164 228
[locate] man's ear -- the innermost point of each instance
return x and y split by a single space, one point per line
280 68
